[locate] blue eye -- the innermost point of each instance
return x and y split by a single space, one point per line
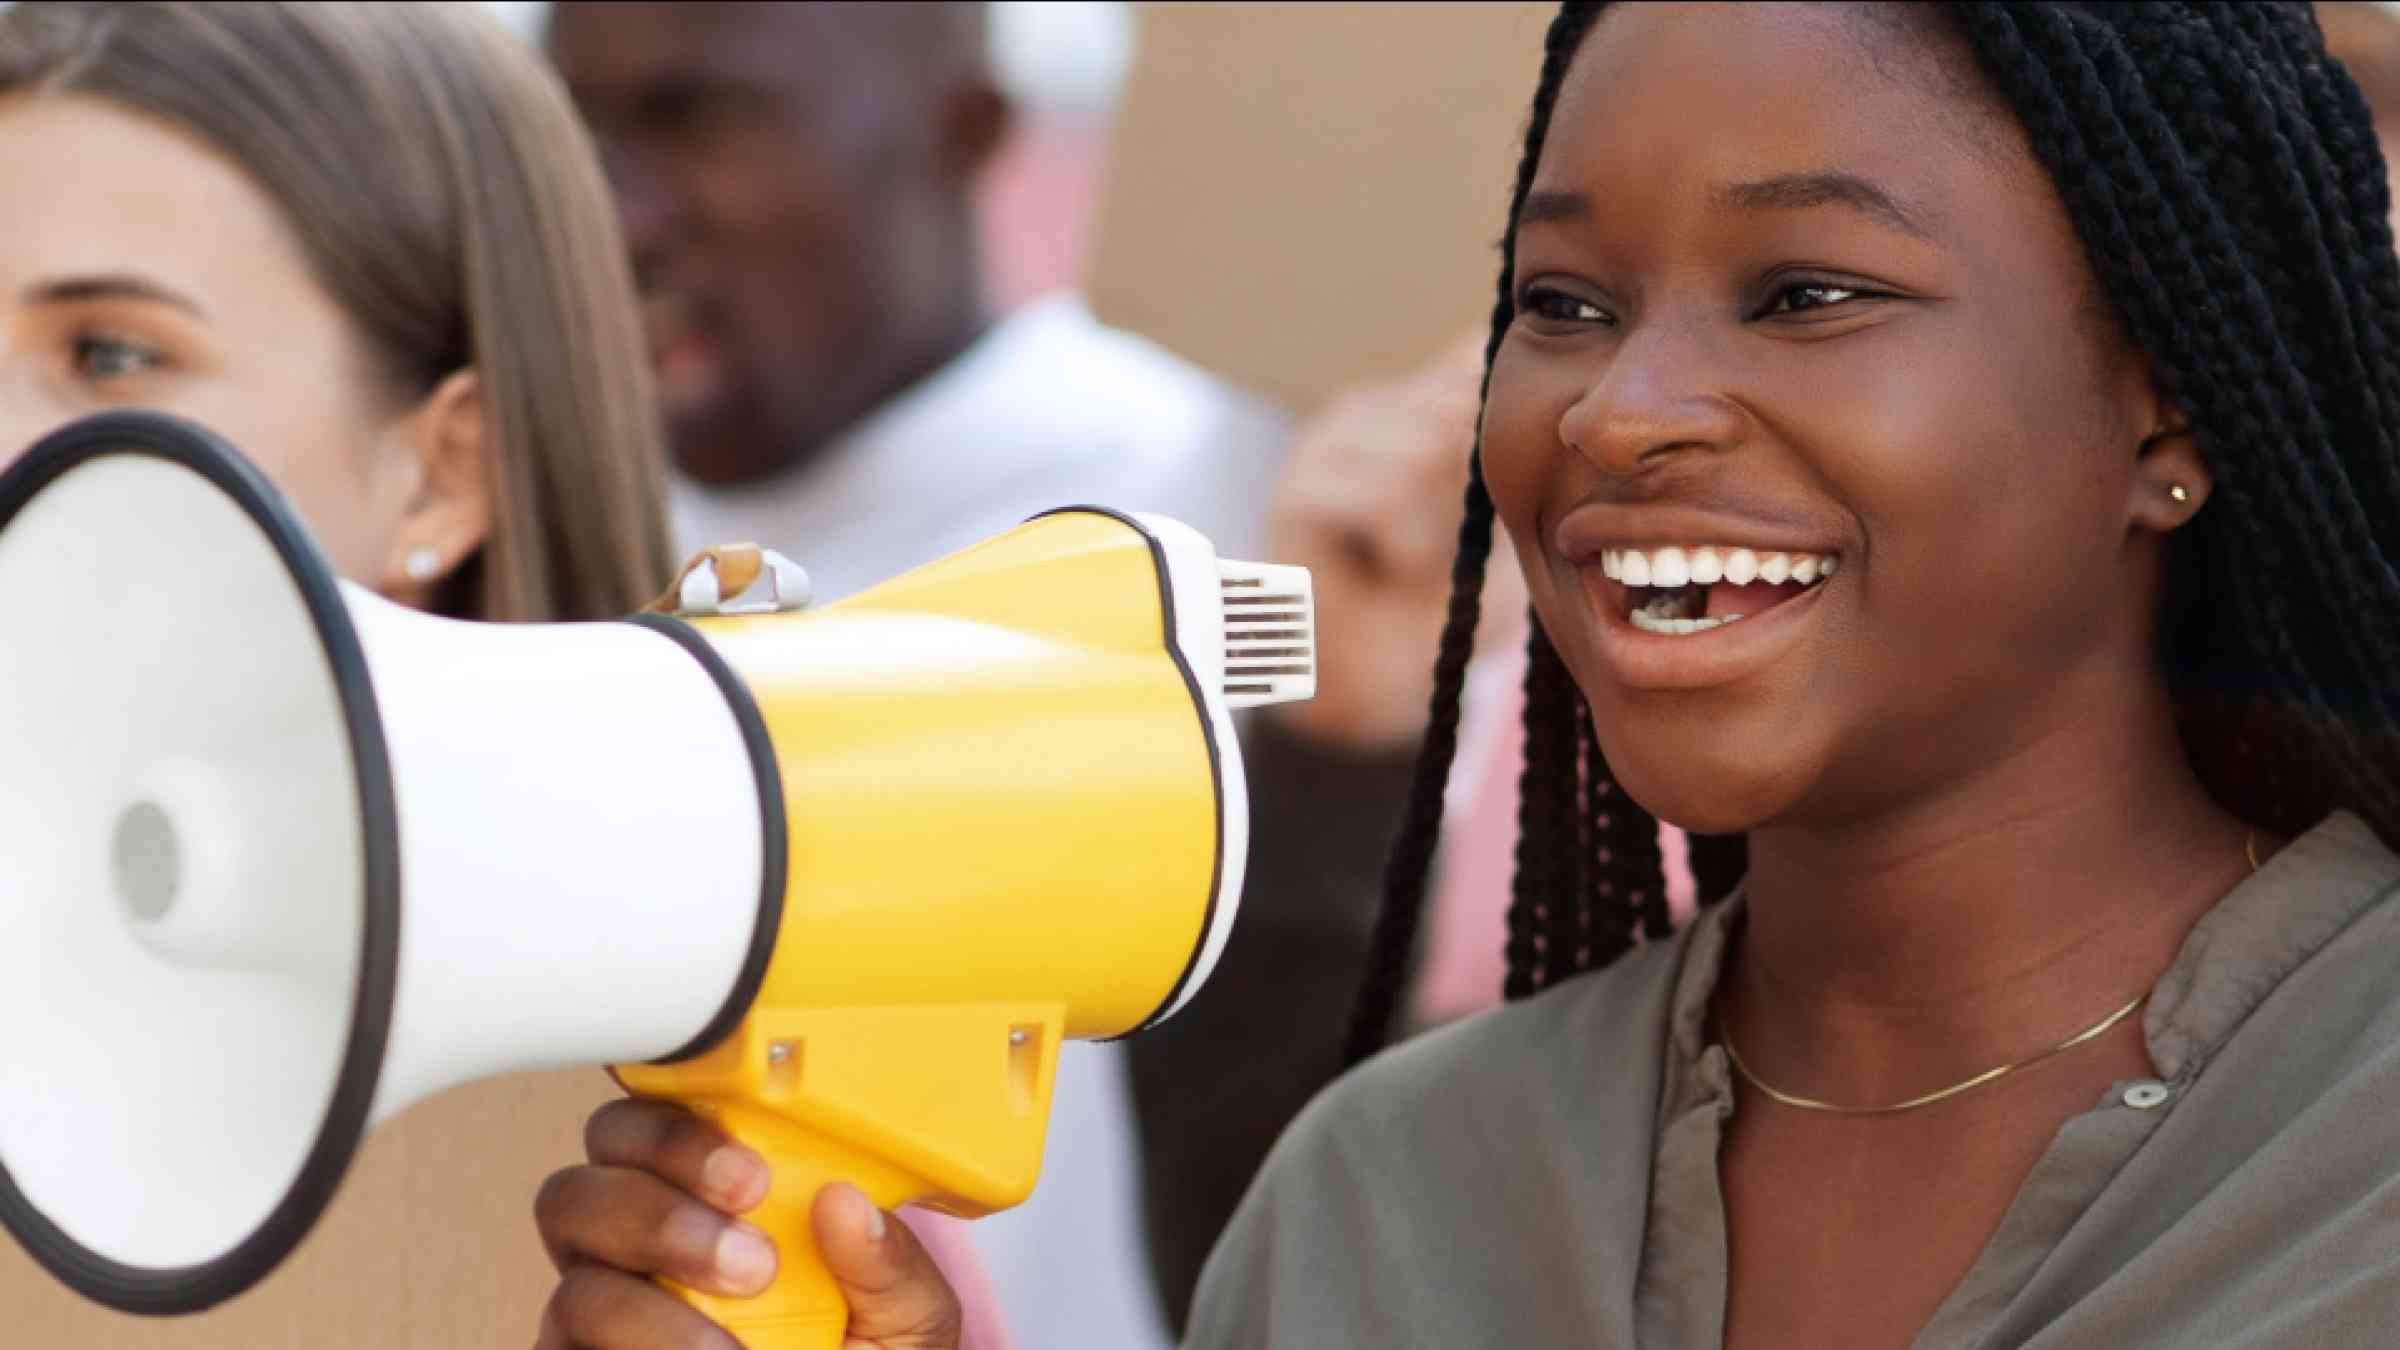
1557 306
102 356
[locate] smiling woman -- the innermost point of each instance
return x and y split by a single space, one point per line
1951 453
2023 377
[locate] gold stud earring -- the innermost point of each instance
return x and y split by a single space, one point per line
2179 492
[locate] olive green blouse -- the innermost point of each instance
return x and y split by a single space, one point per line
1545 1175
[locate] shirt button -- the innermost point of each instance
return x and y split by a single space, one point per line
2143 1096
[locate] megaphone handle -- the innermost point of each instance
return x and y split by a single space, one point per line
803 1309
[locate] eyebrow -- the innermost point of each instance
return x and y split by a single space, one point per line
110 286
1544 205
1784 192
1799 191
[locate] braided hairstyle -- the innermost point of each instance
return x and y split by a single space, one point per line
2223 176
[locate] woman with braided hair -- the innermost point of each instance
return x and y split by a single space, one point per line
1951 454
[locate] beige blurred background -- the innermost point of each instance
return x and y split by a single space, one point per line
1300 195
1294 194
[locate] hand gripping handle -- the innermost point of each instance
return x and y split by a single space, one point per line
945 1107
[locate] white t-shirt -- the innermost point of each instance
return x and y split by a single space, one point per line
1050 408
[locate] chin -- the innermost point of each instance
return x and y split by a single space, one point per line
1716 784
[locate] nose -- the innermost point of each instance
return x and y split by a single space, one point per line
1661 398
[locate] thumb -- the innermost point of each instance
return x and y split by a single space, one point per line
898 1298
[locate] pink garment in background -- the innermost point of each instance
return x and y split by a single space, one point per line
1466 956
947 1242
1033 206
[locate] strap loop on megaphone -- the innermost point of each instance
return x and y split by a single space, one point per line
715 578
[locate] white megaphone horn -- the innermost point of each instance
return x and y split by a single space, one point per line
279 858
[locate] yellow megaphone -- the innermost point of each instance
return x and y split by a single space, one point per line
278 858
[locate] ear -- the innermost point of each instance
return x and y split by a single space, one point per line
2171 482
448 514
971 122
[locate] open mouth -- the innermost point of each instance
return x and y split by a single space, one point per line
1682 591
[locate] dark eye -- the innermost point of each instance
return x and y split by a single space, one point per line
103 356
1806 295
684 107
1556 306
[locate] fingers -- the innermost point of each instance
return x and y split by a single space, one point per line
1379 473
898 1298
680 1148
658 1199
600 1309
631 1220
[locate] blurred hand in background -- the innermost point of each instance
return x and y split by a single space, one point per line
1370 502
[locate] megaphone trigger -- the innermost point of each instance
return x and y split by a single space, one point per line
940 1107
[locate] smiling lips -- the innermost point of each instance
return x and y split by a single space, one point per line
1678 591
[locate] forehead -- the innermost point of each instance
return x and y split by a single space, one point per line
102 189
622 45
1668 95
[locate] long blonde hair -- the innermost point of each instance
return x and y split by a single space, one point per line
449 200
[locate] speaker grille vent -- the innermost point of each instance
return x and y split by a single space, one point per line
1270 633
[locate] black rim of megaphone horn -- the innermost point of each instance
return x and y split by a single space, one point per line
138 1289
1208 736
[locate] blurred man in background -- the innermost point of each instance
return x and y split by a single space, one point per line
797 186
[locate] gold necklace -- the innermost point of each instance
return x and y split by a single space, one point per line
2092 1032
1811 1104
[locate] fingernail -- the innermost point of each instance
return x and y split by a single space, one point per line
745 1258
875 1228
728 1172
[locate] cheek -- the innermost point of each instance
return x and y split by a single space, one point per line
1989 505
26 415
1522 455
316 448
1976 446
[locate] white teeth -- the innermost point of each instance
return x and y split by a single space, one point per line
1708 564
1673 627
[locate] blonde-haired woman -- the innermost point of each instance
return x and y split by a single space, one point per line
370 245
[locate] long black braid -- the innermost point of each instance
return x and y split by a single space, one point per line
2223 175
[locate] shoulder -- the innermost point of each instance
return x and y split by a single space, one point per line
1138 373
1543 1049
1524 1133
1124 417
2262 1190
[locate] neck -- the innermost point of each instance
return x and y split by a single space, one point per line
935 310
1983 922
910 366
815 424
